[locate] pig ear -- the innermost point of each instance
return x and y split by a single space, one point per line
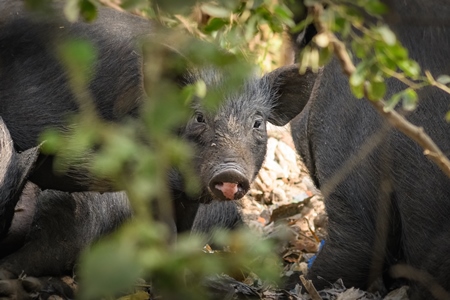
291 92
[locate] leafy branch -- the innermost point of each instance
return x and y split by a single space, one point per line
367 78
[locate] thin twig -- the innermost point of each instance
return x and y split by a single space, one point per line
310 288
413 274
403 79
436 84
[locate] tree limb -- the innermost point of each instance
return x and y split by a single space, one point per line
431 150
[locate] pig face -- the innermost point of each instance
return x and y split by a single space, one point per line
230 141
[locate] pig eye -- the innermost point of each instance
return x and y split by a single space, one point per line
199 118
257 124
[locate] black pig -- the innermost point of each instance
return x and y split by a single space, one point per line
230 144
50 228
387 203
36 95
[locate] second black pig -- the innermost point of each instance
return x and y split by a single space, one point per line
230 143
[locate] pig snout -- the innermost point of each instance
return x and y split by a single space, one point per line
229 185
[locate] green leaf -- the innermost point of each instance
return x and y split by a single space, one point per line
284 14
109 267
375 90
88 10
52 141
304 59
215 24
78 56
359 49
130 4
358 77
375 8
347 27
409 99
200 89
276 25
393 101
447 116
301 25
325 55
444 79
215 11
314 60
398 51
357 90
72 10
322 40
410 67
387 35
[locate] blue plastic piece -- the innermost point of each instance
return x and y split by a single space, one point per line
313 258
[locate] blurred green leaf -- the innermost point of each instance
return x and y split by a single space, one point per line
302 25
304 59
285 15
375 90
200 89
410 67
393 101
110 266
314 60
131 4
322 40
359 49
357 90
215 11
375 7
387 35
359 75
72 10
215 24
88 10
173 6
444 79
346 28
52 141
325 55
139 295
409 99
398 52
78 57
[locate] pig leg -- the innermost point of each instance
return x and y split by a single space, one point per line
22 221
204 219
216 215
14 170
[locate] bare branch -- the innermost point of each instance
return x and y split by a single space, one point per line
310 288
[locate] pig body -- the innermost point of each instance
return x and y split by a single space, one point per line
387 203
